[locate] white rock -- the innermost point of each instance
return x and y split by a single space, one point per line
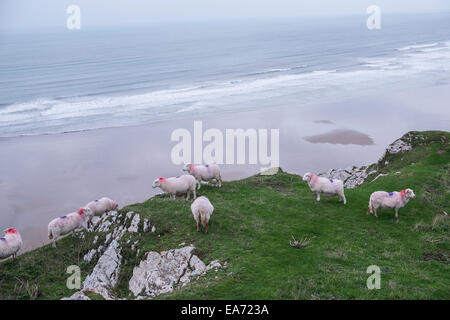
214 264
146 225
351 176
160 272
108 237
128 215
134 223
104 227
93 224
398 145
90 255
106 271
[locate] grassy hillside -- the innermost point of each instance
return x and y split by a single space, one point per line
253 222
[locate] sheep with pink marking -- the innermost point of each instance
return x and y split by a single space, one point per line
184 184
100 206
10 244
68 223
389 200
328 187
206 173
202 210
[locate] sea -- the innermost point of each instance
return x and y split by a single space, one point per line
60 80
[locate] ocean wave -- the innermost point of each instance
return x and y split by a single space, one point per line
418 46
276 70
107 111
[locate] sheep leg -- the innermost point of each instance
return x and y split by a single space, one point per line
195 194
54 243
188 195
368 210
198 225
375 212
206 226
220 181
318 196
396 212
343 197
172 196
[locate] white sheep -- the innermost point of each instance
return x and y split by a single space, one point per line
202 210
389 200
177 185
326 186
204 173
99 207
68 223
10 244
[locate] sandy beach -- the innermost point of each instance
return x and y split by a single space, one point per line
43 177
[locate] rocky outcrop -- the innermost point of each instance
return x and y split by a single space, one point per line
355 176
161 272
351 176
106 272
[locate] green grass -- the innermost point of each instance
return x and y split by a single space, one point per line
254 220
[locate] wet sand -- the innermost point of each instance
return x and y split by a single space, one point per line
342 136
43 177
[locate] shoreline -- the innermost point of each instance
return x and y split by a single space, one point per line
45 176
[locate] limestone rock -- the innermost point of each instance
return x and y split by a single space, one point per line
134 223
160 272
106 271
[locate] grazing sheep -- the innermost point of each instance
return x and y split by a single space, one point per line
176 185
389 200
202 210
66 224
204 173
99 207
326 186
10 244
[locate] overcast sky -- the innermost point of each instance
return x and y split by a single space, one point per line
31 14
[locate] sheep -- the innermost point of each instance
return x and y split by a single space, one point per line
101 206
202 210
176 185
68 223
10 244
204 173
326 186
389 200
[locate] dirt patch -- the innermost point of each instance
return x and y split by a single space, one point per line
374 233
276 186
439 256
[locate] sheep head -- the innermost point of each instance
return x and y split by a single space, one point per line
307 176
157 182
10 231
409 194
85 212
114 205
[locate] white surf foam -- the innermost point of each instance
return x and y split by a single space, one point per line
110 110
